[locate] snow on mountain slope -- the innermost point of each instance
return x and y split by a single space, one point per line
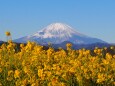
57 33
56 30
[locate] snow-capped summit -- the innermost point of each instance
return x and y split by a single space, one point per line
57 33
56 30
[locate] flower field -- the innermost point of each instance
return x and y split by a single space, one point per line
31 65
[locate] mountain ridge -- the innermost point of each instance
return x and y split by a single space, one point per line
57 33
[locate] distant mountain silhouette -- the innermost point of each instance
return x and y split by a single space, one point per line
80 46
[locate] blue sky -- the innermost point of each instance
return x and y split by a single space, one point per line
95 18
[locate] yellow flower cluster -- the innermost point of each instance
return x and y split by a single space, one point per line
7 33
31 65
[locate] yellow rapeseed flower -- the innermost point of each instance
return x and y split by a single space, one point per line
40 72
7 33
0 70
10 72
16 74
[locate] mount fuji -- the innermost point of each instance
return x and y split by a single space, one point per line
57 33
